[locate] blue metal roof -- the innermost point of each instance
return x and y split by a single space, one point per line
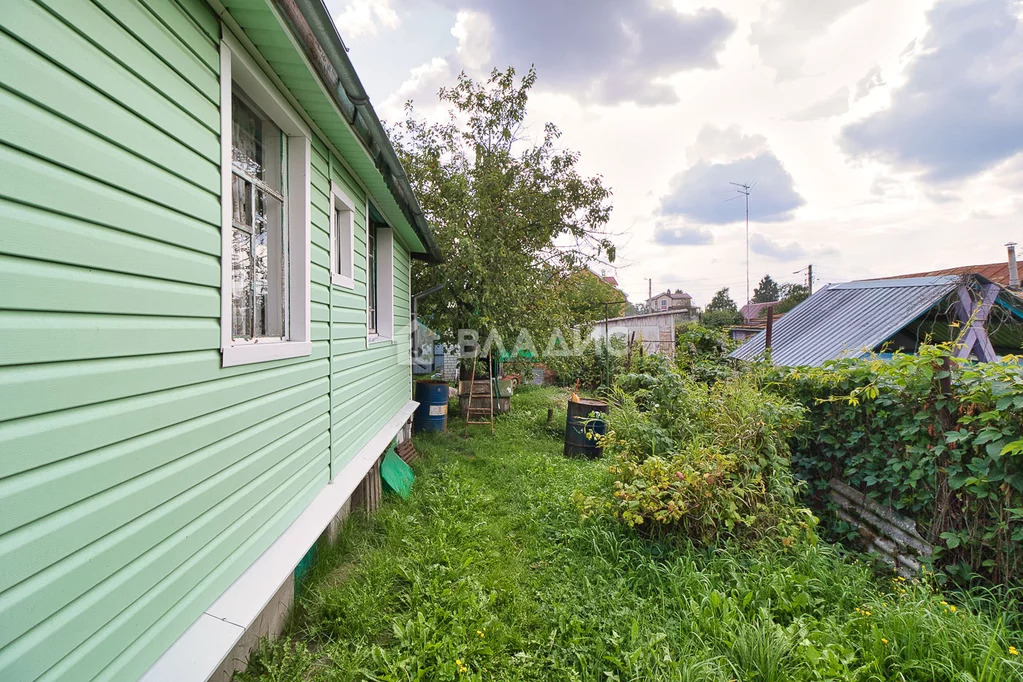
848 320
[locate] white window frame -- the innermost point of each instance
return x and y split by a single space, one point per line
236 67
385 284
339 235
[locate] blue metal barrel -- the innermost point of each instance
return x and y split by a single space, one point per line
432 413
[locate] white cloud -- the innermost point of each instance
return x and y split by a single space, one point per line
787 26
475 36
958 113
365 17
835 105
716 145
682 235
860 217
782 251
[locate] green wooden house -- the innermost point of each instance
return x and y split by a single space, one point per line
205 250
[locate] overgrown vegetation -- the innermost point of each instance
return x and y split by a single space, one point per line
487 572
708 462
939 439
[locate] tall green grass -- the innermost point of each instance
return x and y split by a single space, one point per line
487 572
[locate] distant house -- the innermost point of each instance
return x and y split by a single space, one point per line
654 331
751 312
754 321
858 318
206 246
671 300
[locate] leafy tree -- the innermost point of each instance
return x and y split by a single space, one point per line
766 291
514 218
722 301
720 318
791 296
584 293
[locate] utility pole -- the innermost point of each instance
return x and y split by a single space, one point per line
650 289
809 277
745 189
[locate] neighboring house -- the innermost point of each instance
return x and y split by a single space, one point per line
751 312
655 331
204 330
858 318
754 316
671 300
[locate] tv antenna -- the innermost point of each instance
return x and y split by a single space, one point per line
745 189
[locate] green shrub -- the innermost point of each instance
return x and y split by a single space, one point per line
709 463
591 367
937 438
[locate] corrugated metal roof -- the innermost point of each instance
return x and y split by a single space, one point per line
843 320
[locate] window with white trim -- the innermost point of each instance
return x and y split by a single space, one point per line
379 282
265 217
342 238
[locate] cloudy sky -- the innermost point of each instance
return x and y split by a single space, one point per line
884 136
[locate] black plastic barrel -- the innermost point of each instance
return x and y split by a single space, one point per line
580 429
432 413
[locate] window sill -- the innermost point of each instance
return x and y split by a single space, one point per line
342 281
245 354
377 340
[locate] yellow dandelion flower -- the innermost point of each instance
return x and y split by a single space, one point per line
884 641
952 608
1013 651
458 661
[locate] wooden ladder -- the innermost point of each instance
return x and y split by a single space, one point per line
479 415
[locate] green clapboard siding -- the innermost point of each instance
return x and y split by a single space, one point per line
139 478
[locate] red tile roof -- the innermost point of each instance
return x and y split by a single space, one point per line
611 280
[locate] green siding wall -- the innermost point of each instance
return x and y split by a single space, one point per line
138 478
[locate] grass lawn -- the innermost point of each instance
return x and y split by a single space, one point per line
487 572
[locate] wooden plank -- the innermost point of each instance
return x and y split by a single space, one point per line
30 232
37 285
37 131
36 79
56 41
38 183
35 441
110 537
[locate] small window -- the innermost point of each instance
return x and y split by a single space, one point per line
265 294
380 283
342 238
